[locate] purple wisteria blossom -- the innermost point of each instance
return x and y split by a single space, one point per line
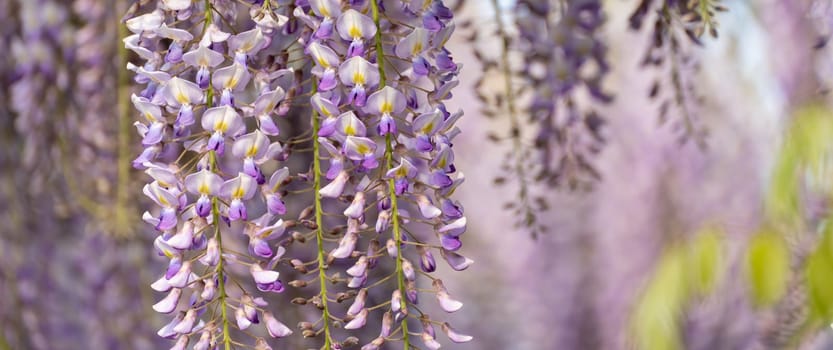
221 159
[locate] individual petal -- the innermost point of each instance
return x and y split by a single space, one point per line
150 111
353 25
323 106
358 322
187 323
324 56
234 77
223 119
278 177
267 101
356 208
350 125
446 302
241 187
237 210
177 5
263 276
242 322
426 208
184 239
203 182
413 44
326 8
252 145
213 34
426 260
175 34
212 253
167 331
386 101
161 285
248 42
148 22
396 303
335 187
275 328
168 304
203 56
429 341
358 303
359 148
162 196
455 336
455 228
450 243
428 123
346 246
358 71
179 91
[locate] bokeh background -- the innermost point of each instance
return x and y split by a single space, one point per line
614 269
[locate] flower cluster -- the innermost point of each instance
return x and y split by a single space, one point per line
570 56
206 162
381 76
676 20
226 147
552 57
40 78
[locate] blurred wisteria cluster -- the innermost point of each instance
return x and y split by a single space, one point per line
302 174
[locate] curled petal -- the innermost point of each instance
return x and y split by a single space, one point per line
175 34
167 331
454 336
145 23
455 228
263 276
429 341
335 187
346 246
358 303
276 328
446 302
242 321
358 322
426 208
168 304
187 323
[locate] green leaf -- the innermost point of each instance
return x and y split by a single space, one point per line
704 260
654 324
767 268
804 156
819 274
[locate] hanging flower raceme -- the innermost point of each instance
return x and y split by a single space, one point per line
189 112
380 118
377 84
